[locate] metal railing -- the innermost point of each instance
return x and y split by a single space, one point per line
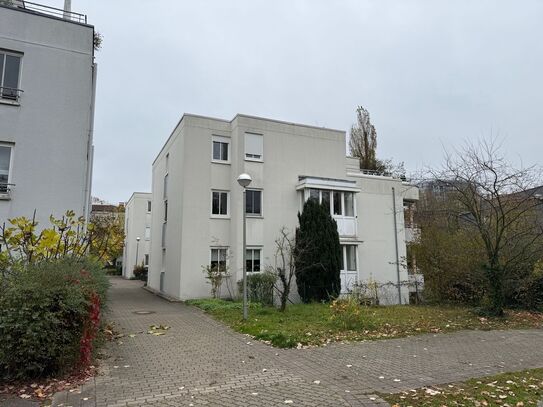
5 190
47 10
11 94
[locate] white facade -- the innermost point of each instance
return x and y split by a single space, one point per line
137 230
47 82
197 202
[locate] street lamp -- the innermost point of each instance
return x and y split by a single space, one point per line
244 180
137 249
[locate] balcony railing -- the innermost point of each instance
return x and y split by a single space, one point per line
47 10
5 190
10 94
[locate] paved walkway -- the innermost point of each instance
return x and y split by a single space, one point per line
200 362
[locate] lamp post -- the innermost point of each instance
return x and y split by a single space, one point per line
137 250
244 180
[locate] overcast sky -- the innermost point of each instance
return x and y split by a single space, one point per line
431 73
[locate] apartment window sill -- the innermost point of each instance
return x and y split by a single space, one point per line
5 197
254 216
219 217
9 102
221 162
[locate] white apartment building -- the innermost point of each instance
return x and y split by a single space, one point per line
137 231
198 204
47 88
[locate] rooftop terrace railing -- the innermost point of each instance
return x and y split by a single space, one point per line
47 10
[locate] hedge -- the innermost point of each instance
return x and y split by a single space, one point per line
50 317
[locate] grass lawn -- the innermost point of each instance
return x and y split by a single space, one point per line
312 324
509 389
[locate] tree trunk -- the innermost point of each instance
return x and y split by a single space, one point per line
496 293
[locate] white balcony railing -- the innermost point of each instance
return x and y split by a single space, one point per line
346 226
412 234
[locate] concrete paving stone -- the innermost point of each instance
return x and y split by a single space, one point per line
204 357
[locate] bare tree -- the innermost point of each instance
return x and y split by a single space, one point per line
363 141
284 265
502 205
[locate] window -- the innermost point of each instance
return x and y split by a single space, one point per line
164 235
314 194
325 198
219 203
254 146
348 257
147 233
10 66
220 148
349 203
5 162
148 206
253 202
165 186
218 259
146 260
337 203
252 260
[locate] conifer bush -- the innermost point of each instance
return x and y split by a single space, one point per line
317 254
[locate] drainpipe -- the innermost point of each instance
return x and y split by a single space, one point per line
90 148
396 243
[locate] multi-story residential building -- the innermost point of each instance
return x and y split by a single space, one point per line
137 231
47 88
198 204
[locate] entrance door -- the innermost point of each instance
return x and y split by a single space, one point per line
349 267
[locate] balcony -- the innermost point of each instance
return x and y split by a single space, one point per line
346 226
5 191
412 233
46 10
10 96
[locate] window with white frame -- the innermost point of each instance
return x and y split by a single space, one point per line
147 233
219 203
341 203
146 263
220 149
252 260
254 146
218 258
253 202
348 258
165 187
164 235
5 165
10 68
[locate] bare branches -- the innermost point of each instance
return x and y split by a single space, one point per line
284 266
500 201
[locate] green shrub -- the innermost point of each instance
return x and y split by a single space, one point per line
259 287
526 291
347 313
45 309
140 272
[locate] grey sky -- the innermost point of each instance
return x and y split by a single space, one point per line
431 73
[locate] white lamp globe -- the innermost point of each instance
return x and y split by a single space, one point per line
244 180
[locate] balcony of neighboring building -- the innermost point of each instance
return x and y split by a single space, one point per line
37 8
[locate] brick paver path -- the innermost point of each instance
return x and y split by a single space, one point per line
200 362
